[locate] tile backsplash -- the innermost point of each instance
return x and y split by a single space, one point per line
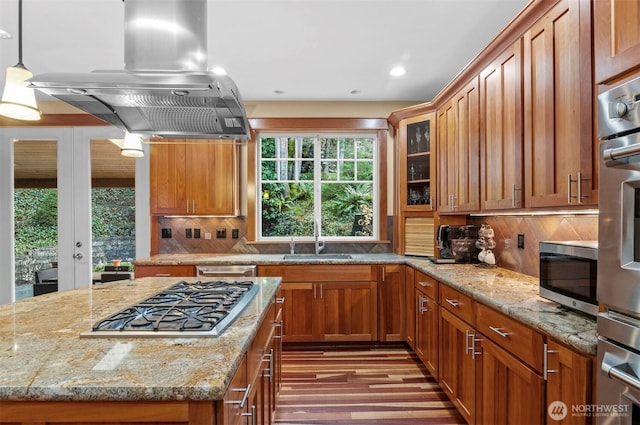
535 229
180 243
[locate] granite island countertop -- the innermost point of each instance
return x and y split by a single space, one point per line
44 358
514 294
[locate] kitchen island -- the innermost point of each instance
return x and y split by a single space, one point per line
50 373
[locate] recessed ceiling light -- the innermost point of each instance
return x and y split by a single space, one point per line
354 91
4 34
397 71
278 91
219 71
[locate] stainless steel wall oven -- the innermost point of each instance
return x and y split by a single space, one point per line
618 392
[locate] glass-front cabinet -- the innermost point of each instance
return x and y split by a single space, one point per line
417 163
416 184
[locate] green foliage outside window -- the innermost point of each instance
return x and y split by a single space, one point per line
342 175
36 216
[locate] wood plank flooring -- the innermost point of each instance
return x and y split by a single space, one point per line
360 386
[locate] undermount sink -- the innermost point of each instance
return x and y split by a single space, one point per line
317 257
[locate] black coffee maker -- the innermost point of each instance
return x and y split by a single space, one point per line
457 244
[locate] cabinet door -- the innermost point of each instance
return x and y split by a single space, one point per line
568 380
167 179
510 392
459 150
457 371
427 332
298 311
411 316
416 166
165 271
391 296
349 311
231 407
212 183
501 111
558 135
616 37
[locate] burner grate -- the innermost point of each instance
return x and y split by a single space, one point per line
184 309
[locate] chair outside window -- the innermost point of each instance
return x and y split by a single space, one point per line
46 281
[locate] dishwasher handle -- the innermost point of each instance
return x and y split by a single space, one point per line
231 271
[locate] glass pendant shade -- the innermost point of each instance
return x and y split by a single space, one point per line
132 146
18 100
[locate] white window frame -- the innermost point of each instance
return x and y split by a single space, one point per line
317 183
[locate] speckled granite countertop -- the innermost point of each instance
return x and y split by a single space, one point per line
43 357
514 294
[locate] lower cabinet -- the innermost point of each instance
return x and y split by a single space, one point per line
426 321
327 303
509 391
458 364
252 393
391 303
494 369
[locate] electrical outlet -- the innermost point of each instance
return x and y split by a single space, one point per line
166 233
207 235
235 233
196 233
188 233
520 240
507 243
221 233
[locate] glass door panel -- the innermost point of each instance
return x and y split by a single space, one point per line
36 217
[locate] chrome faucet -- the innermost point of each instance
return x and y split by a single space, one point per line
319 244
292 245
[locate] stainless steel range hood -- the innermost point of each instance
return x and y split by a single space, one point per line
165 89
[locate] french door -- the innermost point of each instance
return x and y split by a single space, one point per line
73 203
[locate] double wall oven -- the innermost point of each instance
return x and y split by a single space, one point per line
618 392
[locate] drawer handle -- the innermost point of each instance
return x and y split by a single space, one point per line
499 332
425 284
545 366
279 300
163 274
454 303
245 396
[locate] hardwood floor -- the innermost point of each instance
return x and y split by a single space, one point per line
349 386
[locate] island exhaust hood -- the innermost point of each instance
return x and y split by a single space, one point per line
165 89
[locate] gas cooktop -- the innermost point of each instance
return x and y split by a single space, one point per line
184 309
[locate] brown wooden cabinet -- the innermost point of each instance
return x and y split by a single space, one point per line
327 302
190 178
411 318
501 131
558 136
458 151
616 38
427 321
509 391
457 372
416 184
569 378
392 303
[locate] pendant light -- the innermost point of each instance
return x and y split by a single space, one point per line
18 100
132 146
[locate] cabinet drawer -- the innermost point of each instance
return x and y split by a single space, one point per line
165 271
427 285
321 273
457 303
516 338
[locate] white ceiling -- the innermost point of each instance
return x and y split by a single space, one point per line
308 49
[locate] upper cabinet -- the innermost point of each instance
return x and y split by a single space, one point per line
458 151
501 131
416 162
194 178
558 136
616 38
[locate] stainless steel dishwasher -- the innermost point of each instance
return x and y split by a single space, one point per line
220 270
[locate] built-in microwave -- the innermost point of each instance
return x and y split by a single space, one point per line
568 274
